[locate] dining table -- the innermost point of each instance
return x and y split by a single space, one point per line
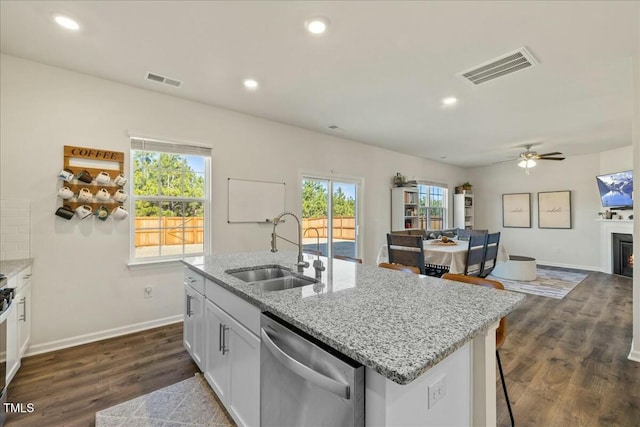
451 256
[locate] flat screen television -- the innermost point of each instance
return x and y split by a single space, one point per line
616 190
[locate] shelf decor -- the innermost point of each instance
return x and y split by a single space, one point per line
516 210
554 209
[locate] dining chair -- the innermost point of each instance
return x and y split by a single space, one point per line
490 254
400 267
501 332
412 232
406 250
475 254
348 258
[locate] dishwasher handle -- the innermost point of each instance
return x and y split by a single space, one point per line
329 384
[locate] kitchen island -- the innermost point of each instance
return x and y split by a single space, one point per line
409 331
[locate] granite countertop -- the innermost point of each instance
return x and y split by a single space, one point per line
12 267
395 323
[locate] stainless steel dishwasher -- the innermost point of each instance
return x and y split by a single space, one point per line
304 383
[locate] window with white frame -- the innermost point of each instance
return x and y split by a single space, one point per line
170 198
432 207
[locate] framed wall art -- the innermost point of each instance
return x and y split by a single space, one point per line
516 210
554 209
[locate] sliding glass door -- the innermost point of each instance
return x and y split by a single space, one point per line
330 216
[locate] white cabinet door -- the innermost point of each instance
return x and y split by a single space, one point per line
193 333
24 318
13 361
244 375
232 366
216 371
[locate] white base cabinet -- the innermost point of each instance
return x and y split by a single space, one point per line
18 322
233 365
221 335
194 327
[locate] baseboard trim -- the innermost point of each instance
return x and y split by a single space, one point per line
101 335
577 267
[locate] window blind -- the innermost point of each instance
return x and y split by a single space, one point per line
145 144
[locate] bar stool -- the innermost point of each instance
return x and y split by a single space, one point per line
501 332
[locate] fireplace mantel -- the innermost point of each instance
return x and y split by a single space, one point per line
607 228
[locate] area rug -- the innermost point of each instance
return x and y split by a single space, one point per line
188 403
551 282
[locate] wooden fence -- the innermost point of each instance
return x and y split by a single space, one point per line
155 231
344 227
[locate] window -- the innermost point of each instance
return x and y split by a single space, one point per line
170 197
432 207
330 209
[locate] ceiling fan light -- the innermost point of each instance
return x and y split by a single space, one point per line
529 163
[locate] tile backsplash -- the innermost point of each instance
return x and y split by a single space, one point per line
15 229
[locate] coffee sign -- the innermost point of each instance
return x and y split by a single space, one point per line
93 154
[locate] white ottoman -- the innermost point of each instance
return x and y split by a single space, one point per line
517 268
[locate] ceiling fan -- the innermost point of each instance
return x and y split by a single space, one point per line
527 159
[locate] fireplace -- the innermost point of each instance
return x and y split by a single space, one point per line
622 254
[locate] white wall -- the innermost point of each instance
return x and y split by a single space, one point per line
81 283
577 247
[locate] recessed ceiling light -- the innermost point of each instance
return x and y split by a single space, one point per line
250 83
66 22
317 25
451 100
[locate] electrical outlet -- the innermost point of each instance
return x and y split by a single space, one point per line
148 292
437 391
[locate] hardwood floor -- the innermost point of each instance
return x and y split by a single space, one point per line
565 363
68 386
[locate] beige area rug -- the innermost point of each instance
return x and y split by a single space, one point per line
188 403
551 282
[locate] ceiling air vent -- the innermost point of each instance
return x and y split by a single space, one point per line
166 80
506 64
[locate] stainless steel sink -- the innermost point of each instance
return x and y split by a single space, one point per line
271 277
287 282
257 274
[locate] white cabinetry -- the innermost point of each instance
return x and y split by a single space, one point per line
233 365
404 208
223 341
463 207
194 327
23 308
18 321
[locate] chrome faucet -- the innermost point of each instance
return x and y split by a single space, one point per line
301 262
317 263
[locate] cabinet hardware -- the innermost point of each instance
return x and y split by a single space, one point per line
189 313
190 279
26 276
225 349
23 301
220 332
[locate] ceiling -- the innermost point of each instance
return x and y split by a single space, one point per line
379 73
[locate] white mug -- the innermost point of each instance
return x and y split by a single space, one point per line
120 180
103 178
103 195
84 195
119 213
65 193
66 174
84 211
120 196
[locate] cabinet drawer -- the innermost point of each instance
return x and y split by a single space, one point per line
193 279
24 277
245 313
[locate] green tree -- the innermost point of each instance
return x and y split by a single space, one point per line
314 199
343 206
165 174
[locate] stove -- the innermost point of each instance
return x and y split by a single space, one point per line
6 296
